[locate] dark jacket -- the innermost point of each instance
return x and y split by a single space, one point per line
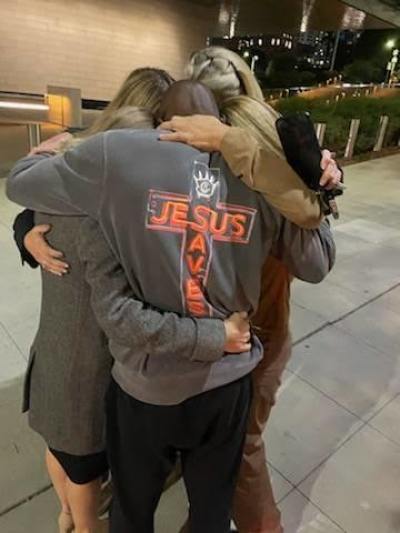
70 363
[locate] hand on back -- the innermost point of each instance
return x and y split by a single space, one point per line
52 145
238 335
49 259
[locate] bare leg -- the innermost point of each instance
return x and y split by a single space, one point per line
84 504
59 479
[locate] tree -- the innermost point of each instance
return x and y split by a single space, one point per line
282 71
363 71
307 78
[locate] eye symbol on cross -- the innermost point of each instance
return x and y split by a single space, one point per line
206 182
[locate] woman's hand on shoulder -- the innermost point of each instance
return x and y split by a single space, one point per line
201 131
52 145
48 258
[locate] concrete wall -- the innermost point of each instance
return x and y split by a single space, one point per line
93 44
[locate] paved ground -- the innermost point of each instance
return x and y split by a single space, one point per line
334 438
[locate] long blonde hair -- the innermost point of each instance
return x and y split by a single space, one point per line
122 118
224 72
144 88
257 118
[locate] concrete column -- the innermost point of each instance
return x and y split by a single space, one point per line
34 135
65 106
320 130
380 138
353 134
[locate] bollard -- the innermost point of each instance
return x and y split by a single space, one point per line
383 125
34 135
320 129
354 127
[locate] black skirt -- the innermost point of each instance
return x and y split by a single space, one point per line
82 469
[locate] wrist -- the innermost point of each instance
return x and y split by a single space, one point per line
220 135
26 240
211 339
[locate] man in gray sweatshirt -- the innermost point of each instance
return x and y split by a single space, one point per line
192 240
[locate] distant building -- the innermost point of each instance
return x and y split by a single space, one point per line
347 45
313 50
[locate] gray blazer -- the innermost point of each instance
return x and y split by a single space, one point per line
70 364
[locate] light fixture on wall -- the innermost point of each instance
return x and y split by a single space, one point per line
22 105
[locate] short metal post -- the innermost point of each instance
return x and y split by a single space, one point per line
34 135
354 127
320 129
383 125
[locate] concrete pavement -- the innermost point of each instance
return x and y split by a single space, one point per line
334 439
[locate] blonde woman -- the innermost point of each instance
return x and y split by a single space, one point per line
260 155
69 372
69 367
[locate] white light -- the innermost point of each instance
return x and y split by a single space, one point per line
260 42
308 6
16 105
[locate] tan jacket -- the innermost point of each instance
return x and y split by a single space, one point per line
273 177
283 189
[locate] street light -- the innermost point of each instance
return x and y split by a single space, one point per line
246 54
391 66
390 44
254 60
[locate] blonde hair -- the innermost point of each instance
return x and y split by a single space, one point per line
224 72
123 118
144 88
257 118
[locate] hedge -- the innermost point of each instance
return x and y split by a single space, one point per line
338 115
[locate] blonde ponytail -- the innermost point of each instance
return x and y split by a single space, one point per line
224 72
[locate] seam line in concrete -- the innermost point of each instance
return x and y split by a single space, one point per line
24 500
346 315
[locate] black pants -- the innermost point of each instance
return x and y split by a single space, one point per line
143 441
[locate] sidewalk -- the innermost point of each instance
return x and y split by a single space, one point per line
334 437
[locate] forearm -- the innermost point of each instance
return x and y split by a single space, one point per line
64 184
129 322
308 254
23 223
273 177
35 182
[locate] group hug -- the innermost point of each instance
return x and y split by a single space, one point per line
167 234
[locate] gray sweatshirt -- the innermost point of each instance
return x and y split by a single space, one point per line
190 237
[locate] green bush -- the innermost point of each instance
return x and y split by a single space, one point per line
338 115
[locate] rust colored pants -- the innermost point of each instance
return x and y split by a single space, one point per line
255 509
